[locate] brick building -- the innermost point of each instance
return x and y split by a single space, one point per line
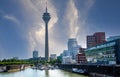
95 39
80 58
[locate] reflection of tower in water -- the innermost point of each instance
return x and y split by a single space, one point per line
47 73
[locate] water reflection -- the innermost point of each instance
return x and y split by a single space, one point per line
47 73
38 73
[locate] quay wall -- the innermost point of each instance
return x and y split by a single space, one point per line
110 70
13 68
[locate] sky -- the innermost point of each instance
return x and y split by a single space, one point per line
22 29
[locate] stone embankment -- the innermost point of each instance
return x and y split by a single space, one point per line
13 68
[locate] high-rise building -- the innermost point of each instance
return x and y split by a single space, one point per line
66 59
69 56
46 17
96 38
73 47
72 43
35 54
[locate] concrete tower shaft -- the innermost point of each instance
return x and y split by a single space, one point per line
46 17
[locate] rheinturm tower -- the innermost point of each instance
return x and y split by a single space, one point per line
46 17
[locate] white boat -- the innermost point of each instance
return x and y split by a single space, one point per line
2 69
80 71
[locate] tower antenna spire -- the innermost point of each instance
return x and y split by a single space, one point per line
46 6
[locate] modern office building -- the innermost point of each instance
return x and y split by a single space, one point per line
46 17
69 56
35 54
72 43
66 59
75 51
66 53
53 57
81 50
113 38
59 58
96 38
105 53
73 48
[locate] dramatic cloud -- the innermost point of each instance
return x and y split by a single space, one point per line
84 26
36 33
76 20
72 18
67 21
22 28
73 25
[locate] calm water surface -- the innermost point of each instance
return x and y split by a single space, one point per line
37 73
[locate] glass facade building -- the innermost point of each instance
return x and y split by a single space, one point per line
105 53
73 48
72 43
35 54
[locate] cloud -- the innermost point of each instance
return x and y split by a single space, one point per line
66 22
72 18
11 18
36 28
83 16
76 19
71 24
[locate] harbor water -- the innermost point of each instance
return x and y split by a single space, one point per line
40 73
